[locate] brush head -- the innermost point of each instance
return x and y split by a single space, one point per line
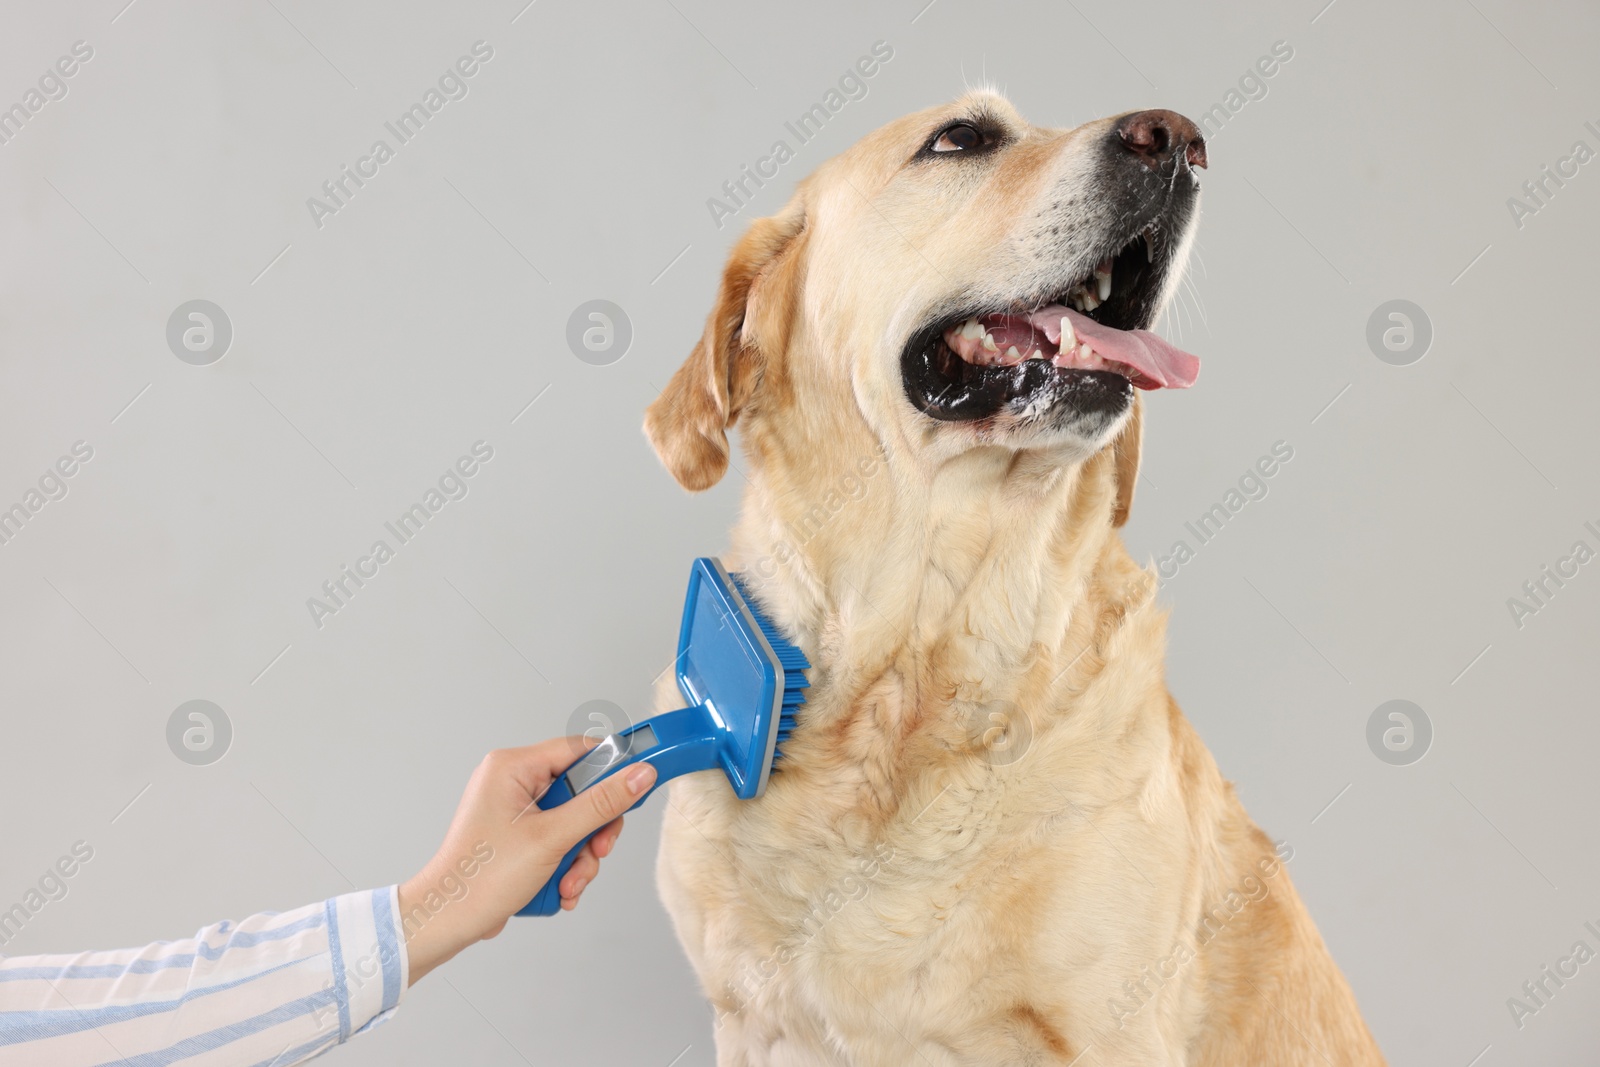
749 677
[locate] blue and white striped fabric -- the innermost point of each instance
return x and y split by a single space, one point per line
273 990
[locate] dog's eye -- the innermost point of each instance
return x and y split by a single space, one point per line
958 138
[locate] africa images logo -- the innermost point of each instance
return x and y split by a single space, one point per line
52 85
452 85
453 484
852 85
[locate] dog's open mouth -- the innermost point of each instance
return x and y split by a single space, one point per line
1074 339
1083 342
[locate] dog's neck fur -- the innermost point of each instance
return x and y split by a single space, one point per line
877 542
840 544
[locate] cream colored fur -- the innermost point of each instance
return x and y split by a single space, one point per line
994 838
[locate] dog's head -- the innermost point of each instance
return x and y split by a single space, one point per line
958 279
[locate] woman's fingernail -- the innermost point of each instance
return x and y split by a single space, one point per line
577 887
641 776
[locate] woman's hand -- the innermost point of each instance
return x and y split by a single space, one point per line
501 848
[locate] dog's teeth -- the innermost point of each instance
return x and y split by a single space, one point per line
988 343
1012 353
1089 302
1102 279
972 329
1068 337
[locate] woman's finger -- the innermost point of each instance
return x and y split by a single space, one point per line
583 870
606 839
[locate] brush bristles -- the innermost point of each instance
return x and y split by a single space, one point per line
790 658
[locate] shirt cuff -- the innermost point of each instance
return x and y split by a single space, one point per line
369 961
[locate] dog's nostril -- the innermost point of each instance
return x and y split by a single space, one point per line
1156 137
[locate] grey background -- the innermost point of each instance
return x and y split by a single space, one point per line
369 354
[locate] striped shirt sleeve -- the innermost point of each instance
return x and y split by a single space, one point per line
273 990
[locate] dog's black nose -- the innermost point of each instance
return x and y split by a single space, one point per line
1157 137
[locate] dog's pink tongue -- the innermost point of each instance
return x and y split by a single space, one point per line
1160 365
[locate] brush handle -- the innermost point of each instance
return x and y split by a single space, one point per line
678 742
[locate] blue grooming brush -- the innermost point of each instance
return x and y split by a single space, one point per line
743 682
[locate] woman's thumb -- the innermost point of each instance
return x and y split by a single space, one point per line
600 803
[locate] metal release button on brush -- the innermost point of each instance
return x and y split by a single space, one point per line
606 755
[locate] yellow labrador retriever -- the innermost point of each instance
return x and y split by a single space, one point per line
993 837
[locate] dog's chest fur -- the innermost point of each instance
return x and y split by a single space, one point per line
934 869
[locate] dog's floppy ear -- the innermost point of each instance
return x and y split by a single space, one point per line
1125 453
745 333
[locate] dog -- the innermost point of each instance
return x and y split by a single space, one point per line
992 838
